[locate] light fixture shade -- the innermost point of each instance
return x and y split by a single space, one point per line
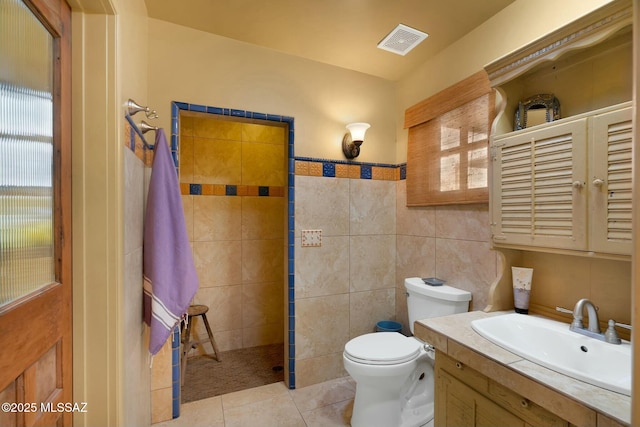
358 130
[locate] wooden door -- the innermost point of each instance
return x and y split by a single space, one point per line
35 214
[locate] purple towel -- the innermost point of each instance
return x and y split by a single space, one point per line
170 279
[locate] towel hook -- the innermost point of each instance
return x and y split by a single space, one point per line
133 108
146 127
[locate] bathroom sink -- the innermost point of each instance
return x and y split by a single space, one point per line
551 344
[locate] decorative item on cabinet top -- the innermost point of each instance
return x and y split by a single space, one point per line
536 110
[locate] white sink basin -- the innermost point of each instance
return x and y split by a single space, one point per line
551 344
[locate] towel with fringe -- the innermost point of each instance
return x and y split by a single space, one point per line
170 279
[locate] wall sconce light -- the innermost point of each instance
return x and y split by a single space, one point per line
353 139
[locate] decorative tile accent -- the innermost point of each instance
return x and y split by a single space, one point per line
329 169
188 189
315 169
365 172
302 168
207 189
276 191
342 171
305 166
354 171
377 173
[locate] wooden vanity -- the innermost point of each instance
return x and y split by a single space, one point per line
480 384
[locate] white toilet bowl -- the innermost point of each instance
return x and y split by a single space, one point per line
394 373
394 380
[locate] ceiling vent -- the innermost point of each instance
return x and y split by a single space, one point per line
402 39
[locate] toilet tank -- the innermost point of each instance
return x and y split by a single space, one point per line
424 301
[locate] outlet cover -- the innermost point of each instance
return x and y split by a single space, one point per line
311 238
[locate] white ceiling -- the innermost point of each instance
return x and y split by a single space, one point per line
344 33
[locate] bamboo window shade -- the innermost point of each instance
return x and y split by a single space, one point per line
448 145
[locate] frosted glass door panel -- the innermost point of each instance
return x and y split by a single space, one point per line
26 153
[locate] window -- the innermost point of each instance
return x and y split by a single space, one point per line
447 158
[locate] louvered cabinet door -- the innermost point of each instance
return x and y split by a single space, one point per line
610 182
539 194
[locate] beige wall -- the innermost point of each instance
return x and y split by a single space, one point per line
96 211
196 67
111 367
132 81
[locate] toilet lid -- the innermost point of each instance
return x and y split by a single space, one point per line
382 348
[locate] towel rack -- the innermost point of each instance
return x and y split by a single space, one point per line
143 127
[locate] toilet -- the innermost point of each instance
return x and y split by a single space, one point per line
394 373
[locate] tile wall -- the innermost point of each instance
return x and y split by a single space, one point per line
370 242
164 396
137 375
448 242
233 177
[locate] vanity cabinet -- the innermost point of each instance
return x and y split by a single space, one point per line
566 184
467 398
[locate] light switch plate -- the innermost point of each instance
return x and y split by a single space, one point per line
311 238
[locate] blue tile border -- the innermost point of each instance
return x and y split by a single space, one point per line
366 169
346 162
176 107
175 372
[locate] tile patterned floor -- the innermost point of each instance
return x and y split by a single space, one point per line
239 369
327 404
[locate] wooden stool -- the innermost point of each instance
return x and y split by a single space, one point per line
187 344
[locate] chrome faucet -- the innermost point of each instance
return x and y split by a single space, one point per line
592 314
593 330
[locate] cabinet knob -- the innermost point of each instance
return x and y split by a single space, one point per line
598 182
524 403
458 365
578 184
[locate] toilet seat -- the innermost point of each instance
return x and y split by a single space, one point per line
382 348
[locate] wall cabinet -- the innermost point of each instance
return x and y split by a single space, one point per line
566 184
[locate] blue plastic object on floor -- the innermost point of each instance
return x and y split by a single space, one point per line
388 326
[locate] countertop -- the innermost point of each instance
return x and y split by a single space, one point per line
457 327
